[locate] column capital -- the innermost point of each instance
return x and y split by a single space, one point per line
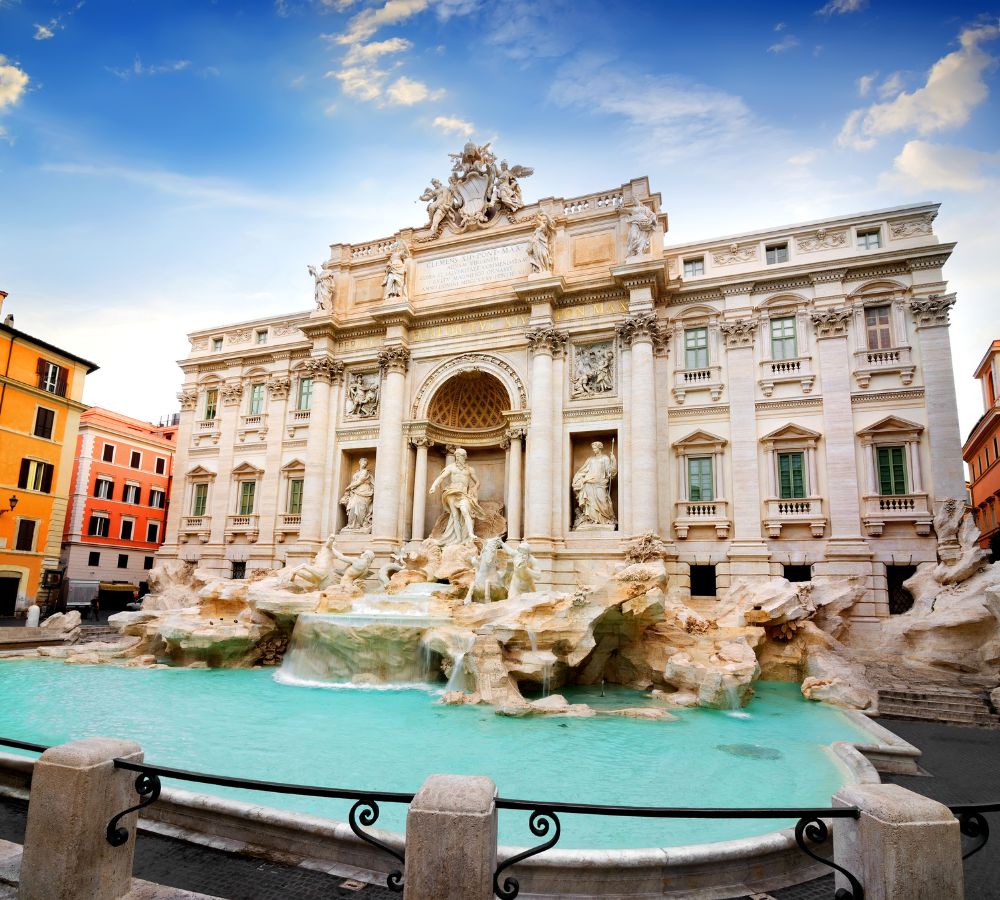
325 368
232 392
739 333
642 327
278 386
188 399
421 440
546 340
933 311
831 323
394 359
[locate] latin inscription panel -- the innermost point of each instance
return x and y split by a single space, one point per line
447 273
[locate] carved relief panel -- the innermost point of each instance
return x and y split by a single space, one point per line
593 372
362 395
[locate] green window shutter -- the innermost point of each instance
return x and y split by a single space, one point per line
199 501
891 470
700 478
791 476
247 489
295 496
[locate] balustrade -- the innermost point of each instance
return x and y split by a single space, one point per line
892 360
707 378
697 513
797 511
905 508
777 371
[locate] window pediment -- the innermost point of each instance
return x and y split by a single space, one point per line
700 442
892 427
293 467
248 470
792 435
200 472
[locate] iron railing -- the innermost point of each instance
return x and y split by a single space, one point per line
810 828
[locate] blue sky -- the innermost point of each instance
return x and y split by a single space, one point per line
166 166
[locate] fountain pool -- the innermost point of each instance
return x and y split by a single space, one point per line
243 722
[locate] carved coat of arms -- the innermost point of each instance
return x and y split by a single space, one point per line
478 192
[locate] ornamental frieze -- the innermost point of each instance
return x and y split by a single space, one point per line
821 240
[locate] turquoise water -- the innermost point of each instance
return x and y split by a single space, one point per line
244 723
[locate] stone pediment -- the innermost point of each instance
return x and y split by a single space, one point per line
792 433
247 469
700 440
201 472
891 425
296 465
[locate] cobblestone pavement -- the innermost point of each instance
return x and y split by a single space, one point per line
964 763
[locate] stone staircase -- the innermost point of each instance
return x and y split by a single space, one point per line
936 704
98 633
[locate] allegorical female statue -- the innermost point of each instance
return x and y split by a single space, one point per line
592 486
641 221
357 499
460 499
539 256
394 283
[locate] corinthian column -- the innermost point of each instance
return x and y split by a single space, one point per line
419 488
394 362
324 372
188 398
637 333
544 343
514 487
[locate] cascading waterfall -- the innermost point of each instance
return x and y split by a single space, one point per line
456 681
734 707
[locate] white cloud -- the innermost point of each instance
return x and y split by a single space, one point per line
839 7
449 124
406 92
781 26
364 24
786 43
892 86
954 87
5 136
804 158
363 54
922 165
139 69
865 83
13 81
43 32
297 81
360 82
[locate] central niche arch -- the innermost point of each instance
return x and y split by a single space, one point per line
469 401
516 397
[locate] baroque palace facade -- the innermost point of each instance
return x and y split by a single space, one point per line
773 403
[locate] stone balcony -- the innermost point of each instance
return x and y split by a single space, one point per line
800 511
888 508
255 424
288 523
894 360
688 381
247 526
206 431
198 527
690 514
778 371
297 418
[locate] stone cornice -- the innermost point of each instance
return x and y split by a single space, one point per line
885 396
690 412
737 287
547 290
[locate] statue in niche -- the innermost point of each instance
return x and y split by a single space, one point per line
324 287
362 396
592 486
357 499
594 372
538 247
460 498
641 221
394 283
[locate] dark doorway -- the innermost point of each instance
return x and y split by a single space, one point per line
900 599
702 581
239 568
8 595
798 573
995 547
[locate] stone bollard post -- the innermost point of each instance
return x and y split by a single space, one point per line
451 839
904 847
31 619
75 791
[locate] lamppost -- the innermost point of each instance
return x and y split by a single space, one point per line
13 504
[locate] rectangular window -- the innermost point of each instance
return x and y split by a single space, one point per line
247 490
261 336
130 493
869 240
295 495
152 532
239 568
693 267
93 558
35 476
892 470
216 345
108 453
304 399
104 488
791 476
127 529
256 400
877 328
25 535
135 459
695 348
996 449
157 499
199 499
784 344
700 484
122 560
147 563
211 403
98 526
161 466
776 253
51 378
45 419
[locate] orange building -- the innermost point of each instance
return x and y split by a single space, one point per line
40 391
118 507
982 453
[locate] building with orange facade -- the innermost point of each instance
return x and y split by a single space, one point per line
41 387
982 453
118 506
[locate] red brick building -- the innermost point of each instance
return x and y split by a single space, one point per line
118 504
982 453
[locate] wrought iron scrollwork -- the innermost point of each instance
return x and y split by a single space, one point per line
974 825
147 786
815 830
366 812
540 821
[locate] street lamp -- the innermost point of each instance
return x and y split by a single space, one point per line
13 504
